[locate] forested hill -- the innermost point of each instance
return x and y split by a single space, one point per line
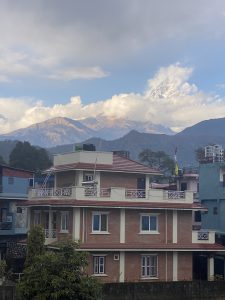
6 148
135 142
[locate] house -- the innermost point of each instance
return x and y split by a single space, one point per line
14 186
131 231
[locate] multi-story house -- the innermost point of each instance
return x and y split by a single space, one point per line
14 186
131 231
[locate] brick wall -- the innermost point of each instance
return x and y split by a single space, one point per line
128 181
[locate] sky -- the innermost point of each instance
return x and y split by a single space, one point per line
144 60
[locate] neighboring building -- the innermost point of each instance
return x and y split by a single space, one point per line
14 186
132 232
214 153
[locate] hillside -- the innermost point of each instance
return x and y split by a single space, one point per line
60 131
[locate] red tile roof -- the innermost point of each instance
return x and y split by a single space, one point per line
120 164
112 204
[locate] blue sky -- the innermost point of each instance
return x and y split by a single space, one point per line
159 61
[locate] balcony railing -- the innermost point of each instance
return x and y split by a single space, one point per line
132 194
63 192
50 233
113 194
203 236
174 194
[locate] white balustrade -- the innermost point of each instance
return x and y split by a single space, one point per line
134 194
50 233
174 195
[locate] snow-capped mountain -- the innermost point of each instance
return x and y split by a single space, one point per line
60 131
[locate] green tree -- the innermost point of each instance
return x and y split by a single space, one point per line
158 159
59 275
35 245
200 154
28 157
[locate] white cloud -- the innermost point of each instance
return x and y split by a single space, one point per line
169 99
43 37
79 73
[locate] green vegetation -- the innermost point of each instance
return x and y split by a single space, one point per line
58 274
157 159
28 157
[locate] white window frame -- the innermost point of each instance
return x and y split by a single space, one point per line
64 223
37 217
149 230
149 268
99 264
88 176
100 214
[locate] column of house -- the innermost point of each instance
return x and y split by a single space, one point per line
122 241
175 253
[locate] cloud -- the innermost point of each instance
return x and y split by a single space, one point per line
44 37
169 99
80 73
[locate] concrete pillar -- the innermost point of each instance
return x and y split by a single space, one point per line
122 225
122 267
76 223
175 265
50 223
210 261
28 218
174 226
147 185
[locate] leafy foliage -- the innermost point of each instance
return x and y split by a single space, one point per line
200 154
35 245
159 160
59 275
28 157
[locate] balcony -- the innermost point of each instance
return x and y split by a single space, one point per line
203 237
112 194
50 236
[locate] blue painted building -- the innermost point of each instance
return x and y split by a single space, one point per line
212 195
14 187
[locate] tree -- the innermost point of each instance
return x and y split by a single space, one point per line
59 275
200 154
159 160
28 157
35 245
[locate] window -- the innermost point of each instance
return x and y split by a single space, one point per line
64 221
99 264
88 176
215 210
149 223
37 218
149 265
10 180
99 222
198 216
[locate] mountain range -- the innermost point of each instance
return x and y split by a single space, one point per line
65 133
59 131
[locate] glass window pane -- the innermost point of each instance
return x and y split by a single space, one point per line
153 222
96 222
103 222
145 223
